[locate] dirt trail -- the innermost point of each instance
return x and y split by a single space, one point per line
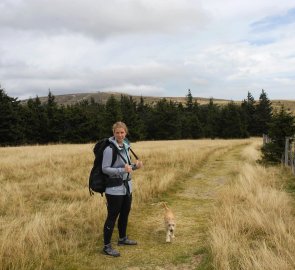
192 205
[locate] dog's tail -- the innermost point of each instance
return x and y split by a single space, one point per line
165 206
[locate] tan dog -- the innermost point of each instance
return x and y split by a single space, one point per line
169 223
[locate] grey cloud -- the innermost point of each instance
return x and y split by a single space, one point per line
100 18
138 73
130 78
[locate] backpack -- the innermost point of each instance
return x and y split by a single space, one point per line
97 179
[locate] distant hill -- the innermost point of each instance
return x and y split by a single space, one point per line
102 97
289 105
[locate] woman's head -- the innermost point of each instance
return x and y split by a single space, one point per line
120 124
120 131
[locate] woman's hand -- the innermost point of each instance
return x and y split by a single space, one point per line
138 164
128 168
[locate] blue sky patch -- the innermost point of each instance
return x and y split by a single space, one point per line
271 22
262 41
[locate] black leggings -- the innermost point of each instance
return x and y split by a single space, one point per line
117 205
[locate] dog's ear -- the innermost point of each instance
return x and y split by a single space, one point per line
165 205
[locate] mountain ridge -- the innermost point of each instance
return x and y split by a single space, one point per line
102 97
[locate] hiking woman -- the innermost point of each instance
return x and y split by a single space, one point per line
119 188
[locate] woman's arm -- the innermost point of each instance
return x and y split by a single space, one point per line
107 162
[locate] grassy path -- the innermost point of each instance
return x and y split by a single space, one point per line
191 203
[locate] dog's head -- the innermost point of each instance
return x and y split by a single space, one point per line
171 226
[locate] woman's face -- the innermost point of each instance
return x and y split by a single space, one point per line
120 135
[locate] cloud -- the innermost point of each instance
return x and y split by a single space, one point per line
154 47
99 18
148 77
237 11
240 67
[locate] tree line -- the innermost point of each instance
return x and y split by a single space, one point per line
34 122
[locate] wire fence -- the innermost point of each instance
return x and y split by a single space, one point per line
288 157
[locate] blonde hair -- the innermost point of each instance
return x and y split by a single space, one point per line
120 124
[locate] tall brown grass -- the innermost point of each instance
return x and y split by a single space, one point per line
46 211
168 161
253 225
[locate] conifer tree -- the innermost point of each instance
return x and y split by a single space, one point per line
185 122
195 125
112 114
11 132
80 120
209 117
249 108
72 120
164 123
191 127
189 101
96 112
263 114
35 121
143 111
52 113
282 125
231 122
131 118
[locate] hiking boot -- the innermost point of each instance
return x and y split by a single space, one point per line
108 250
126 241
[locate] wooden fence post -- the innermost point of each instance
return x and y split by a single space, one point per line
292 154
264 139
287 151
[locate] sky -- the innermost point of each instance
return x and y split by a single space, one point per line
215 48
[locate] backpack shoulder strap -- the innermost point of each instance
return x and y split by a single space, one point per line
115 154
136 157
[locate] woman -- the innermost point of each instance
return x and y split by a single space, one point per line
119 191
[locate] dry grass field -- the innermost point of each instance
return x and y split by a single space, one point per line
253 225
289 105
49 221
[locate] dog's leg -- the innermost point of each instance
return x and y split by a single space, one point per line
168 238
172 234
